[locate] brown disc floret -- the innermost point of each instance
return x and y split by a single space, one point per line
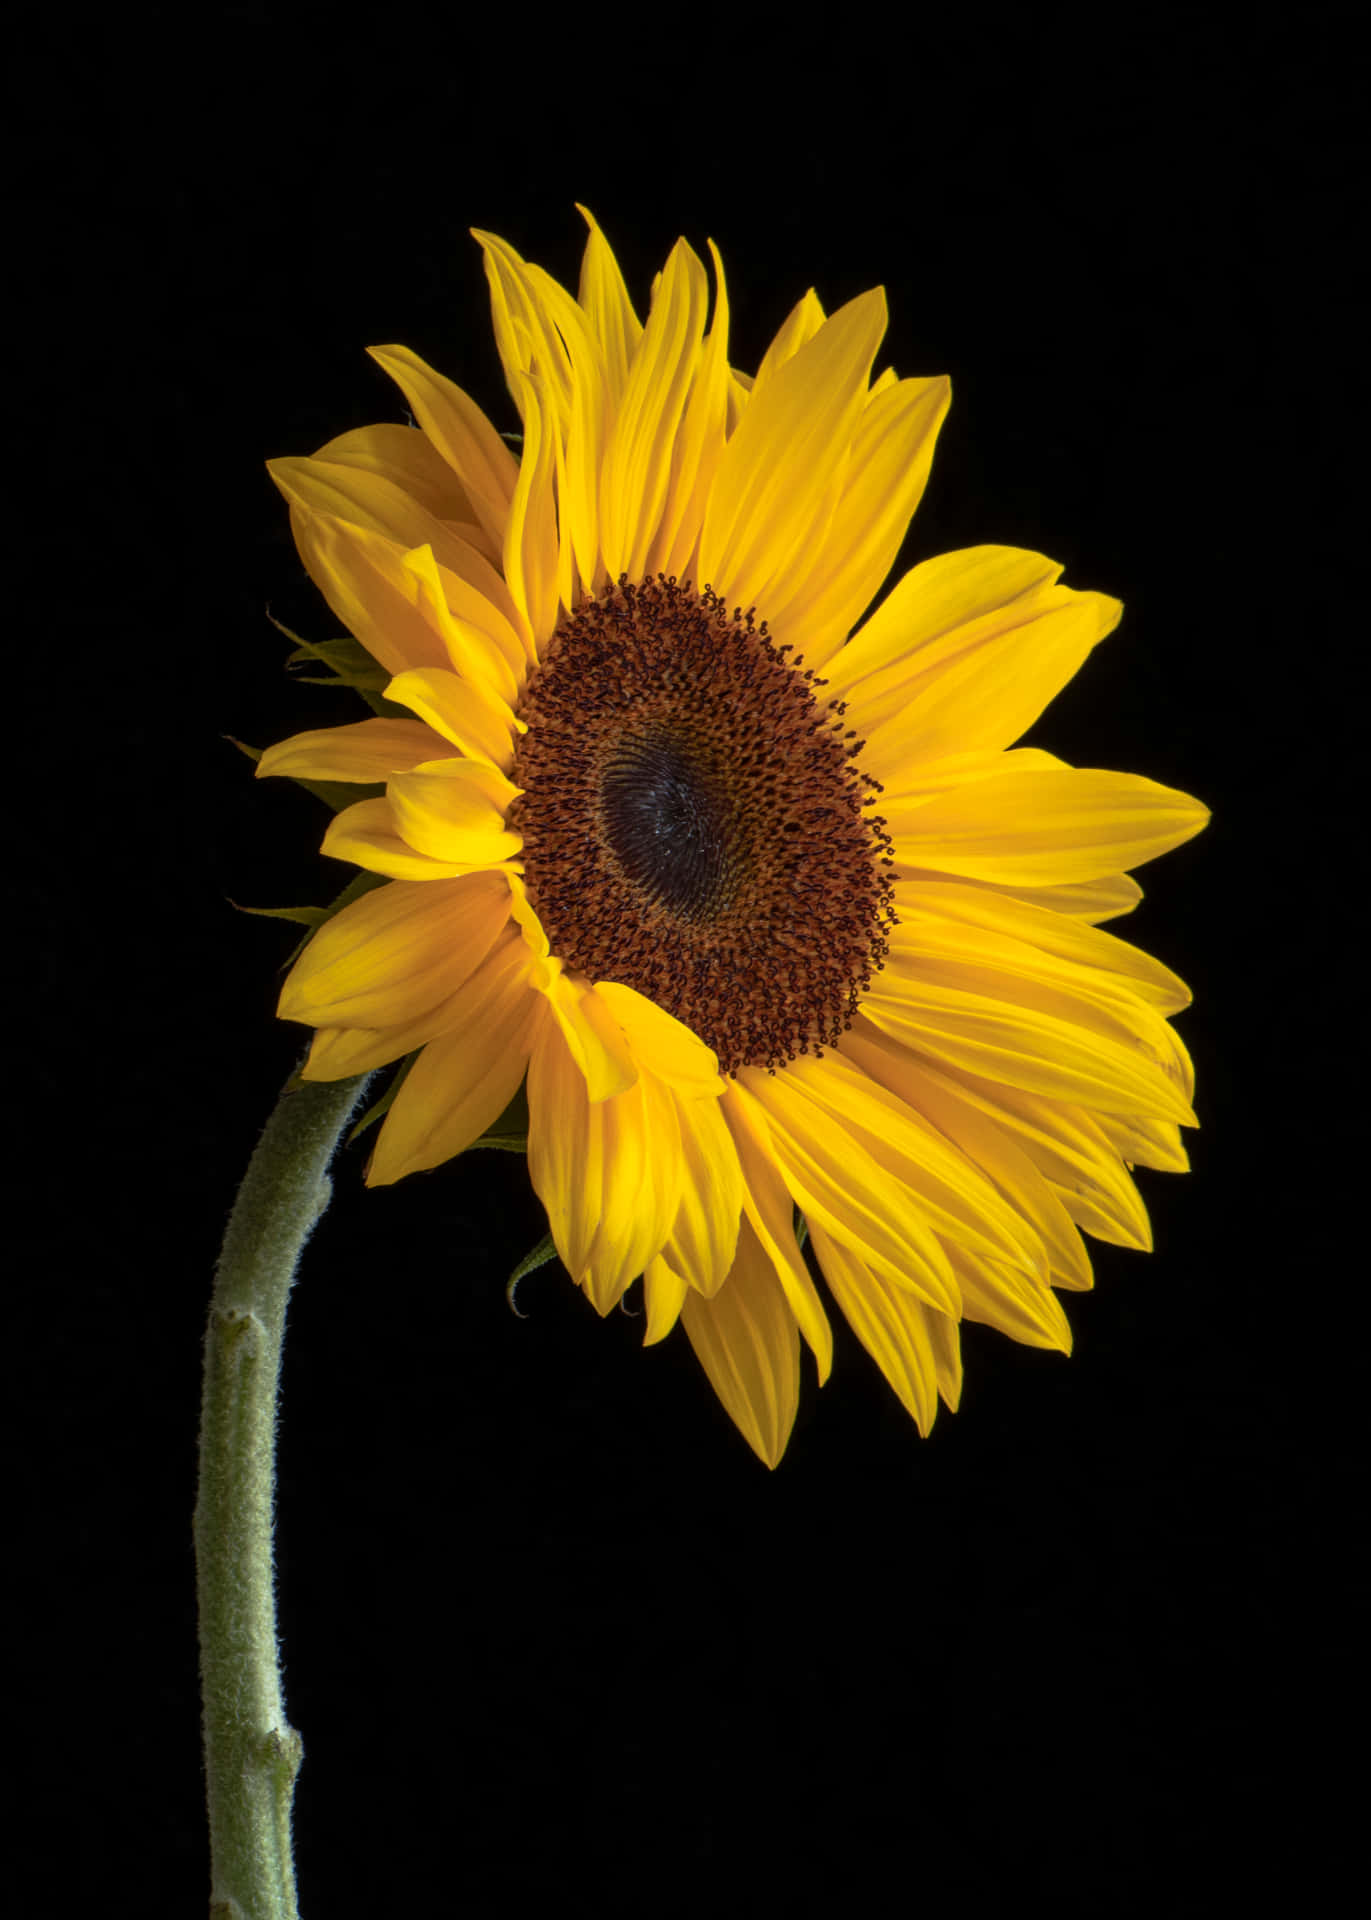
695 824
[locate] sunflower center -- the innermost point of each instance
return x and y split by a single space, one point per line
695 824
667 818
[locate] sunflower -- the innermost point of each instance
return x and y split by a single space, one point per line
755 900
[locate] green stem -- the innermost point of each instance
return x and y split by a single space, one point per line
252 1754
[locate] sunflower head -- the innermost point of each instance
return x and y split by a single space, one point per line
753 899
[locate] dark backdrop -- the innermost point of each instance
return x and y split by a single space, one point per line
551 1633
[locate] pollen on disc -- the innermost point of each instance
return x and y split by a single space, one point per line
696 824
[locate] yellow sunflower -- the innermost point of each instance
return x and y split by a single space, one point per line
780 930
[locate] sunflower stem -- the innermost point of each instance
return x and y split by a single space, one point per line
252 1753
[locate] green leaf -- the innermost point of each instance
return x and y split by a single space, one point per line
337 794
537 1257
314 917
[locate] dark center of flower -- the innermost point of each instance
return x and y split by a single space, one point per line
695 825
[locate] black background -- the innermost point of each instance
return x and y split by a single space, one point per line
551 1633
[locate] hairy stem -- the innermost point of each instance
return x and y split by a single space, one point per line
252 1754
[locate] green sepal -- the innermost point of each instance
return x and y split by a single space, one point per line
335 794
314 917
310 917
535 1258
349 665
360 883
385 709
348 662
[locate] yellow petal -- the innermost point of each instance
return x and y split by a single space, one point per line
523 911
337 1052
531 540
1062 1048
1047 933
796 330
704 1233
564 1149
604 297
529 344
1069 1148
638 456
924 780
739 390
1011 1302
475 619
989 972
660 1042
1042 828
946 1190
362 576
992 692
938 609
454 810
890 1323
966 651
412 459
947 1354
1087 900
837 1183
395 953
744 1337
368 750
333 1050
826 590
473 719
767 1205
1041 972
464 1079
545 336
368 502
581 457
699 447
641 1173
461 433
987 1146
366 834
361 535
593 1037
795 434
664 1293
1146 1143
